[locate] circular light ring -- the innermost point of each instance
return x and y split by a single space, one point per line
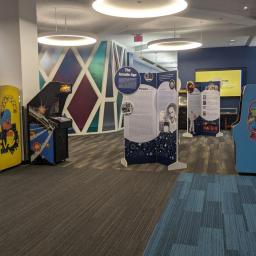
173 44
139 9
66 39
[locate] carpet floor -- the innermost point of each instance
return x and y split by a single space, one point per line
202 154
209 215
92 206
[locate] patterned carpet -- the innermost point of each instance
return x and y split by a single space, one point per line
202 154
207 215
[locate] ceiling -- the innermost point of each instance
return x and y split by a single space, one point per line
217 22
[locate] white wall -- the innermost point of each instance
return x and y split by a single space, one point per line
10 58
18 46
29 49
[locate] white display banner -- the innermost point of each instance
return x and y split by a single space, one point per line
138 123
210 102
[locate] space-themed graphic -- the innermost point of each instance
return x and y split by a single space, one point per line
46 124
40 134
252 120
9 138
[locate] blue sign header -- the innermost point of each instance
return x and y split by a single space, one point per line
127 80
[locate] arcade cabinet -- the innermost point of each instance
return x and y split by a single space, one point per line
10 127
244 132
48 129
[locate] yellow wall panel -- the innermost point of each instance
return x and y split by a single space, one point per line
231 80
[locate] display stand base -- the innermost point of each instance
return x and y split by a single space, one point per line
124 162
187 135
172 167
218 135
177 166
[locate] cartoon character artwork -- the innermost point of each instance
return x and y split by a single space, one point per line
9 138
252 120
10 127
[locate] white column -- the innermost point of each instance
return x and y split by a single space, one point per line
18 47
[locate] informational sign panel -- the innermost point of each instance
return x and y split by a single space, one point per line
167 114
230 80
203 108
127 80
150 119
10 128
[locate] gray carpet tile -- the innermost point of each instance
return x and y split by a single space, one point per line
250 215
195 201
212 216
211 242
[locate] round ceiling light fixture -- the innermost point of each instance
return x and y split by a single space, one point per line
66 39
139 8
173 44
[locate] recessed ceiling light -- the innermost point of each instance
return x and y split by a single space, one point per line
66 39
245 8
232 40
139 9
173 44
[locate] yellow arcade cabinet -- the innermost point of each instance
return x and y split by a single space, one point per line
10 127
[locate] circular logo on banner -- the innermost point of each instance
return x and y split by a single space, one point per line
127 80
149 77
172 84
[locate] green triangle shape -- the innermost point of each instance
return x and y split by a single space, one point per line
97 65
94 124
119 105
41 81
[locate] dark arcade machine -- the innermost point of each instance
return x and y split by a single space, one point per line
48 129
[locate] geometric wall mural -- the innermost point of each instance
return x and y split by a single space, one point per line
95 103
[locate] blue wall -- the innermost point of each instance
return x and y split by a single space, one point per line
226 57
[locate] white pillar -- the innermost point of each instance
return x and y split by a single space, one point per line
18 47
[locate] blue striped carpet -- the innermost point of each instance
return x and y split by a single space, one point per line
208 215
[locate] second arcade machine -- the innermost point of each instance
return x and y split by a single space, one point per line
48 129
244 132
